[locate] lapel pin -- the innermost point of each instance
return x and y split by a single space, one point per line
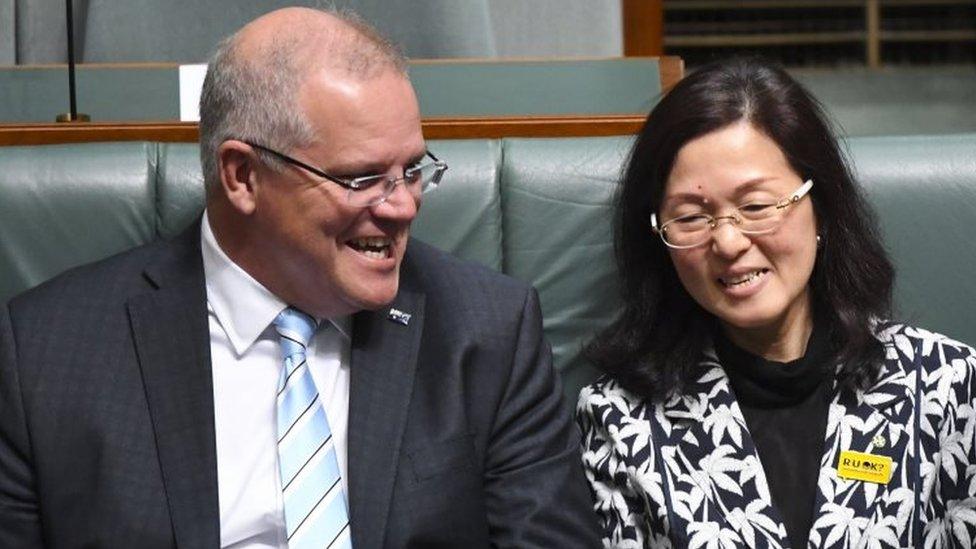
398 316
878 441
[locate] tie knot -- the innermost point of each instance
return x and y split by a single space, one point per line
294 327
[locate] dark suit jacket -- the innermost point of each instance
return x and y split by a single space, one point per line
458 434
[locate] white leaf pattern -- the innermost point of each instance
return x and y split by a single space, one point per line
721 498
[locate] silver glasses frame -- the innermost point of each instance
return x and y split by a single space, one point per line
735 218
356 187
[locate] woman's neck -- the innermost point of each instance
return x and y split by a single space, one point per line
784 341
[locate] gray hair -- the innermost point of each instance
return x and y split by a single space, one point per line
255 97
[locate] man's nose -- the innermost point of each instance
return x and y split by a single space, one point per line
401 204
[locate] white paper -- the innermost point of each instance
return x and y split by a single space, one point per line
191 84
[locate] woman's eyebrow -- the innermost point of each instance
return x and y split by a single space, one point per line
684 197
680 199
751 184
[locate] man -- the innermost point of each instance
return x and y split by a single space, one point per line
292 371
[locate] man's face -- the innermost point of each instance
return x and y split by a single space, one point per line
326 256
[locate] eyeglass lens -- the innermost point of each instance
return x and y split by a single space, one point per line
693 230
375 189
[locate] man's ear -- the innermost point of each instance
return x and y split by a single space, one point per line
238 164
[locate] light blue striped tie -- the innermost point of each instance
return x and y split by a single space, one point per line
315 504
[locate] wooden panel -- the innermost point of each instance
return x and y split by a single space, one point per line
687 5
84 132
445 88
643 27
672 69
533 126
872 42
946 35
433 128
767 39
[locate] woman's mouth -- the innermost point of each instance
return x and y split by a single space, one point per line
743 280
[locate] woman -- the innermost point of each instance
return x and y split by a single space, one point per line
755 395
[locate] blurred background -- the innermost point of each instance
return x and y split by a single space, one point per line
880 66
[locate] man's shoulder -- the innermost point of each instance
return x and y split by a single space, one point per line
434 269
102 283
463 293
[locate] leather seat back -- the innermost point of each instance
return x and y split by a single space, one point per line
536 209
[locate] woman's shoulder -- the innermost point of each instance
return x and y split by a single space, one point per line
608 402
886 330
909 346
898 334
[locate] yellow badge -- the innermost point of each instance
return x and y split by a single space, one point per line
866 467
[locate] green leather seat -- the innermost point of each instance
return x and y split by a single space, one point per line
556 198
181 198
556 193
64 205
924 191
537 209
464 214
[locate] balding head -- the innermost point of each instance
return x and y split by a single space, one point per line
252 84
315 39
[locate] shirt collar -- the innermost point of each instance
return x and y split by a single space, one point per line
244 308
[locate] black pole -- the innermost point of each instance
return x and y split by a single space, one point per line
69 16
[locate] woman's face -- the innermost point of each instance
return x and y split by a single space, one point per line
754 284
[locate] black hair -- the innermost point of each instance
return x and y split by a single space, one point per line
657 341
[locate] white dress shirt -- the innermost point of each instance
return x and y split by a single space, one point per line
246 363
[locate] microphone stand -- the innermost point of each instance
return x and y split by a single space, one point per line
73 115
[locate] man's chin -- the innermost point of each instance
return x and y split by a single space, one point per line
366 285
374 298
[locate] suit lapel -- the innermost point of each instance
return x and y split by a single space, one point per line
873 422
384 359
169 328
715 474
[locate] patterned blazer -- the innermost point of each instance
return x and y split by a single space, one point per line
685 473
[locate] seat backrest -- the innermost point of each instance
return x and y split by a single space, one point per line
556 196
462 216
536 209
64 205
924 192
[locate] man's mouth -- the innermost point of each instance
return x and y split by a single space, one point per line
744 279
373 247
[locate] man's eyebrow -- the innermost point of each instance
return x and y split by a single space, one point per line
418 158
363 169
368 169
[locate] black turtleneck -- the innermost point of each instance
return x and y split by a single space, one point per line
785 407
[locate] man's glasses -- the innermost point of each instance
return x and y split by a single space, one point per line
688 231
371 190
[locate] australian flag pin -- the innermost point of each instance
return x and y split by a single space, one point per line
398 316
